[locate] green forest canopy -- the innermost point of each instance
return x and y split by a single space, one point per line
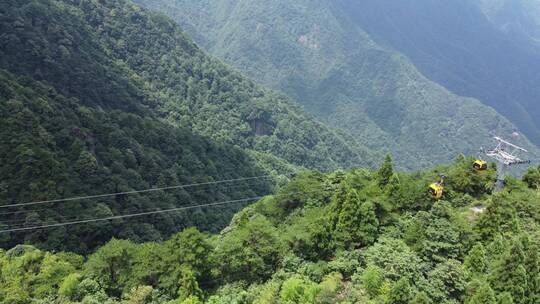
345 237
321 53
103 96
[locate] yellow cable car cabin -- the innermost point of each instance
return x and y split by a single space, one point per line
480 165
436 190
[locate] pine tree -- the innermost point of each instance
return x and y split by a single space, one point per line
500 217
369 224
496 247
348 222
532 266
475 261
338 199
385 171
509 274
357 223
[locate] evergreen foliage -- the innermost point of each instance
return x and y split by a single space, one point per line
386 171
269 252
105 97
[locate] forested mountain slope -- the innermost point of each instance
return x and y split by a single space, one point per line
318 54
103 96
455 44
54 147
346 237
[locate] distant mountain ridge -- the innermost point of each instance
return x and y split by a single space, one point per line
520 19
316 52
484 49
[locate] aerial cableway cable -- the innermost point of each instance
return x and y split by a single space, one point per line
129 215
21 222
108 218
185 187
77 198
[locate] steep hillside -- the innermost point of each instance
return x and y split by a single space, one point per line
54 147
346 237
456 45
317 53
100 97
117 55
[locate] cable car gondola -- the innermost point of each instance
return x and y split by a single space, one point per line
436 189
480 165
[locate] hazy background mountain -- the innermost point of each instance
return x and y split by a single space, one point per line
338 60
455 44
518 18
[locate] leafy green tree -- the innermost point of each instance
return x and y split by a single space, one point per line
532 178
532 267
505 298
70 285
299 290
269 293
499 217
357 224
192 300
86 165
448 281
420 298
438 235
250 252
369 224
395 258
111 265
91 291
475 262
190 250
496 247
372 279
509 274
148 265
329 288
52 272
140 295
340 196
483 295
401 292
393 187
188 285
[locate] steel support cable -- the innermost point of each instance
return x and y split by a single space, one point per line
21 222
131 192
139 214
21 225
247 183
